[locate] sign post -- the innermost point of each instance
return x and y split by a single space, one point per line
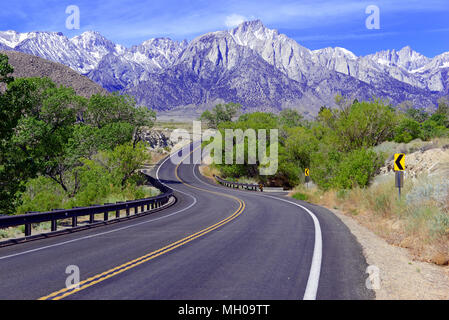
307 176
399 167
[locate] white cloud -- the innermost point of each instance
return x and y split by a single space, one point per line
234 20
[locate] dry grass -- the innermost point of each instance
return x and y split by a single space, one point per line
172 125
209 172
391 147
157 156
419 221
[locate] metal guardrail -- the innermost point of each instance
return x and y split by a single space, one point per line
53 216
237 185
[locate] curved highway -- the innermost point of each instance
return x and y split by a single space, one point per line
214 243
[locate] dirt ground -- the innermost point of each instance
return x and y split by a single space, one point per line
401 277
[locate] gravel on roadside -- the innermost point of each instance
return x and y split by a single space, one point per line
401 277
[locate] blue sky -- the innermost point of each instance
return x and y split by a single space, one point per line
423 25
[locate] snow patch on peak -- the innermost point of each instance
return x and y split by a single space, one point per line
336 52
12 38
253 24
346 53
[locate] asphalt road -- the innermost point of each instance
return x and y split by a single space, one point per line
214 243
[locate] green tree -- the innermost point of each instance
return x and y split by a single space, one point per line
431 128
290 118
419 115
253 121
364 124
103 110
125 161
5 70
441 115
48 132
407 130
296 154
220 113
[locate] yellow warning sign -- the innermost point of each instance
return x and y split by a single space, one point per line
306 172
399 162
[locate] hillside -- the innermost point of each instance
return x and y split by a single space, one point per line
26 65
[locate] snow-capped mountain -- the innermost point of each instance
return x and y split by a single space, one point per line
405 65
250 64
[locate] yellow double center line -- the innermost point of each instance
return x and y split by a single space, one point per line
57 295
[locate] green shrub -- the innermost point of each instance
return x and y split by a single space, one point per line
356 169
439 224
431 129
407 130
300 196
96 182
42 194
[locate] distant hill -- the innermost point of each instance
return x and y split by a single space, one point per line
26 65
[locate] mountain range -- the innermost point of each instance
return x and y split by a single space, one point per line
251 64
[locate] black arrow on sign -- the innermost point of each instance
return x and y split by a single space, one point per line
398 162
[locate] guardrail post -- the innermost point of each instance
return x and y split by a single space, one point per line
54 226
91 218
142 208
74 221
106 215
117 213
136 209
127 211
27 229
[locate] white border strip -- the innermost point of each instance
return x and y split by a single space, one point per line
315 268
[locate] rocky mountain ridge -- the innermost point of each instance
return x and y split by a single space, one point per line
250 64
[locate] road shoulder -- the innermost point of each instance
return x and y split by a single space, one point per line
401 277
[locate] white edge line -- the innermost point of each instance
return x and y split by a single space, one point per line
111 231
315 268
